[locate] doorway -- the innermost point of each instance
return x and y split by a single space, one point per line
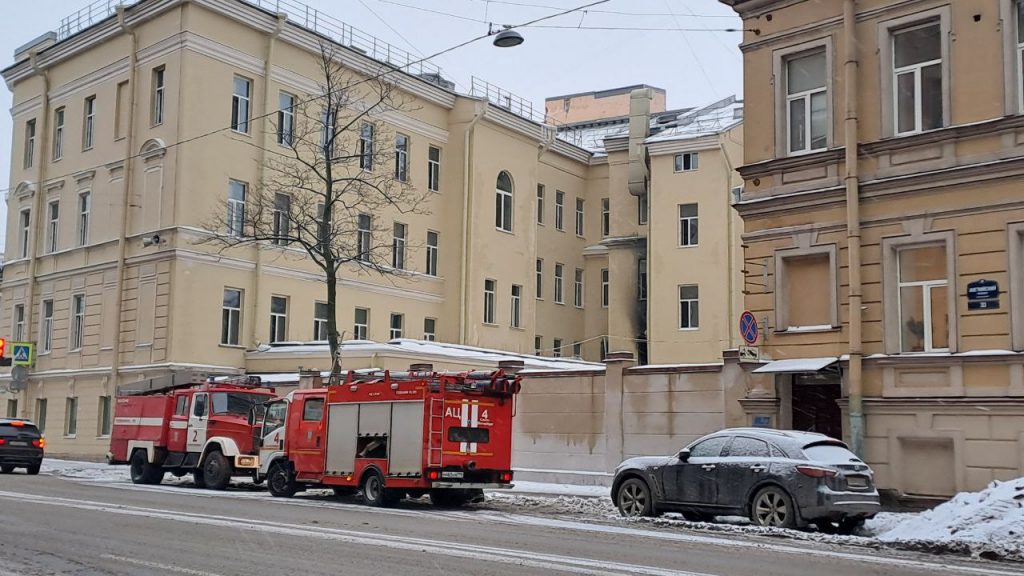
815 405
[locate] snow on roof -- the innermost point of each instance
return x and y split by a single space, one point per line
459 352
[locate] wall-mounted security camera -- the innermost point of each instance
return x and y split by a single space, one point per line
153 240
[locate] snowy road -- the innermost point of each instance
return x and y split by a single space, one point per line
101 525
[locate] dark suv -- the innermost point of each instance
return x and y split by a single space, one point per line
21 446
775 477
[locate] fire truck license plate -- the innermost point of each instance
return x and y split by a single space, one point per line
451 474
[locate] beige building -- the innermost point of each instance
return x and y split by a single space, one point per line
132 127
883 230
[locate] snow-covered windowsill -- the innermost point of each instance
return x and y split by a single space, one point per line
808 329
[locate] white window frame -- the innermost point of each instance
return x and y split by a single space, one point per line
914 69
643 209
401 157
364 237
606 217
806 96
234 317
396 332
926 300
400 233
641 279
30 144
366 137
71 417
18 316
236 209
104 414
281 225
580 217
156 117
504 207
539 278
516 293
490 293
58 133
327 133
687 224
605 287
285 118
319 322
559 210
434 169
433 251
84 209
241 105
361 331
46 326
577 292
88 122
541 192
77 322
278 320
559 286
577 350
25 232
556 348
692 304
430 329
538 345
52 226
686 162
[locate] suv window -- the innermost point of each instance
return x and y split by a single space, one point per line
13 430
748 447
710 448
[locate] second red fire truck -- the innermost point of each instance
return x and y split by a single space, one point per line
388 435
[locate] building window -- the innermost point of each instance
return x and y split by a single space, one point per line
559 210
88 122
285 119
401 157
40 418
430 329
686 162
540 279
320 321
606 217
432 251
517 305
490 287
398 246
807 102
688 225
579 217
540 203
71 416
577 289
538 345
642 209
58 133
917 78
364 237
52 226
923 299
503 203
559 296
19 322
282 218
122 110
236 208
46 332
103 417
30 143
689 308
240 99
434 169
327 133
605 285
366 146
361 324
157 112
556 349
278 319
12 407
604 348
1019 6
641 279
25 225
577 350
84 205
77 321
231 317
806 291
396 326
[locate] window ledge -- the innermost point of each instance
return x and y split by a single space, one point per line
232 346
503 231
490 324
808 329
518 328
689 329
70 436
688 246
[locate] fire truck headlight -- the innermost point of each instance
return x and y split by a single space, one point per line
246 462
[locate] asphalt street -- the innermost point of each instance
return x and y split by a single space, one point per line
51 525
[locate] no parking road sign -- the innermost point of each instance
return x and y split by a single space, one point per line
748 327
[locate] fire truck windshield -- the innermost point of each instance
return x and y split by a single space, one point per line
238 403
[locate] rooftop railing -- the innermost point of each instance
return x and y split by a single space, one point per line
91 14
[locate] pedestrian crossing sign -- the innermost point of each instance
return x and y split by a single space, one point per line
23 353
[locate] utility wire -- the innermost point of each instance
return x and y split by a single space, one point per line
693 53
392 69
616 12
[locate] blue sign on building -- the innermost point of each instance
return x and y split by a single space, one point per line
983 295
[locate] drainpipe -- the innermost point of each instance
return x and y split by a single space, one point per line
854 376
122 236
467 189
730 244
268 129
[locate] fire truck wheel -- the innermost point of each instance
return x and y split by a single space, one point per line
280 482
198 479
216 471
450 498
374 493
142 472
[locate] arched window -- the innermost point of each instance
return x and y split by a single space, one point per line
503 202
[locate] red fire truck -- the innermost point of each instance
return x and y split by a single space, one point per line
193 424
388 435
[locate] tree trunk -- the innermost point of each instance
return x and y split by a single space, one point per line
333 338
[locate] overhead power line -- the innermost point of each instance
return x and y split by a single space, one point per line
598 11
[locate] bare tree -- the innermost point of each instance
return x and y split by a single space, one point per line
335 171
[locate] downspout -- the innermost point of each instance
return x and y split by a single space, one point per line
268 129
854 375
730 244
122 239
37 201
467 188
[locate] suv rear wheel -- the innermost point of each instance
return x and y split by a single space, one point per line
34 469
773 507
634 498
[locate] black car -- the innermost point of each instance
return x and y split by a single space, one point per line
776 478
21 446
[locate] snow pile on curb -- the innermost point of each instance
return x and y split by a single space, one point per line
987 523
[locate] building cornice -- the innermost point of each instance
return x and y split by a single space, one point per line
27 107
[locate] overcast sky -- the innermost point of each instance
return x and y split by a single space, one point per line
679 49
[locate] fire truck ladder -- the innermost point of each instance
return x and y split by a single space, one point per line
435 450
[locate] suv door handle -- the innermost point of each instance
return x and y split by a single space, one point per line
708 466
758 468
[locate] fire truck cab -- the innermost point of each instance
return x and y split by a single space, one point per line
198 427
389 435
